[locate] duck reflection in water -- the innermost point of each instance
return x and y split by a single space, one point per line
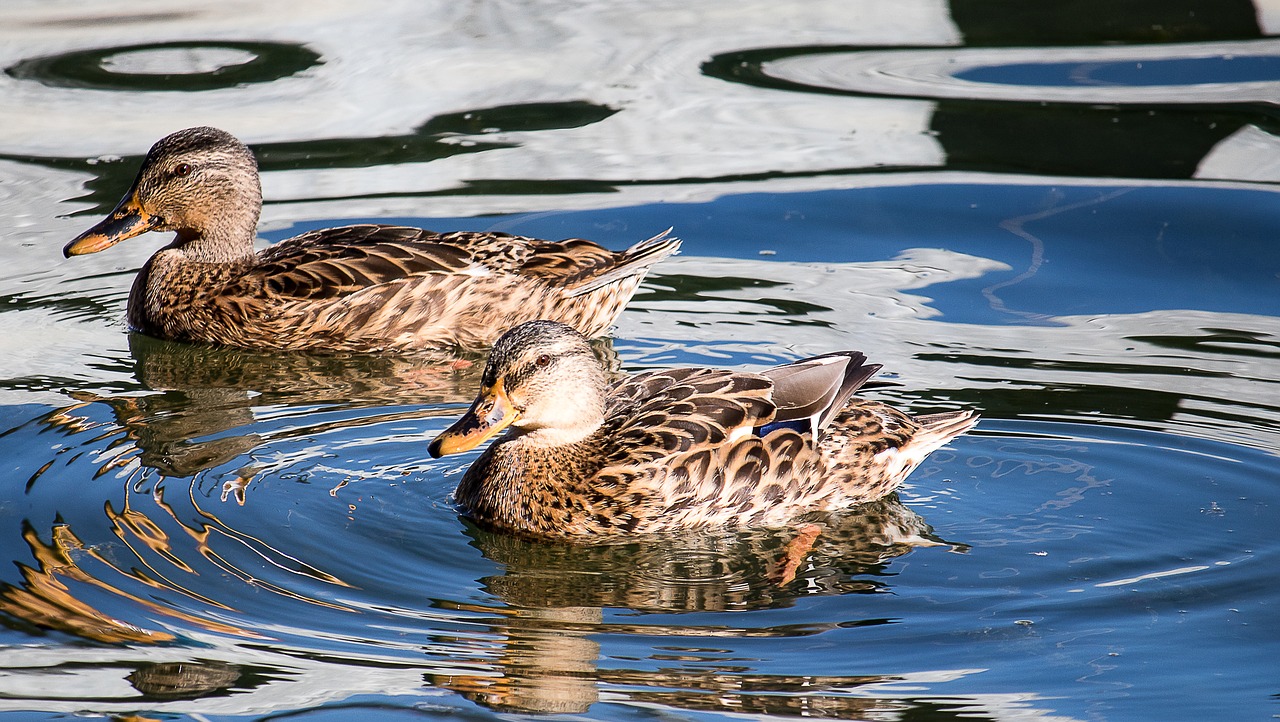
186 680
200 392
555 595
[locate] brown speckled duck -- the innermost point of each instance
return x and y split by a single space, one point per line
355 288
665 450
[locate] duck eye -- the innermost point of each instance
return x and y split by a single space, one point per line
543 360
183 169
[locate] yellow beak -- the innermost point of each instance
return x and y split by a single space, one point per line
126 221
490 413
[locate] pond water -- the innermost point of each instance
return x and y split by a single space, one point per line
1064 217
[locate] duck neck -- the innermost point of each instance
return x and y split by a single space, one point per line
531 488
220 245
223 230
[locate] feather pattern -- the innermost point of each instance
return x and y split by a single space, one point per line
689 447
356 288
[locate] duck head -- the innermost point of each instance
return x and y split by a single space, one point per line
541 380
200 182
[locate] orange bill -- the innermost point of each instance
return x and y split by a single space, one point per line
126 221
490 413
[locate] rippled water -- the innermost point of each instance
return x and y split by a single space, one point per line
1066 221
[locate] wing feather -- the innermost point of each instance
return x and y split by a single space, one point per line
336 262
332 263
657 414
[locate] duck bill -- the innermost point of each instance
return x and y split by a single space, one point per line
126 221
490 413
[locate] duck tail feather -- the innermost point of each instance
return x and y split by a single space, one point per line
635 262
816 388
937 429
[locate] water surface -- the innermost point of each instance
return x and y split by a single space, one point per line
1066 222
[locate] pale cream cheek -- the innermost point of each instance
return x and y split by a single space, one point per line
545 413
565 412
529 417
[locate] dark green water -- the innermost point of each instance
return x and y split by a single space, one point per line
1062 217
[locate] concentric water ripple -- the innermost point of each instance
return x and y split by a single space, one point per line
184 66
1191 73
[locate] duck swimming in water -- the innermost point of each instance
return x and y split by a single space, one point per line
584 458
355 288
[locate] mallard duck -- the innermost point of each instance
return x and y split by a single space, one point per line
356 288
667 450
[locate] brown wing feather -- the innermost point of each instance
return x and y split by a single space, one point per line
335 262
555 262
581 267
565 262
660 413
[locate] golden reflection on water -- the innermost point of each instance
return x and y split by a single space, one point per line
46 600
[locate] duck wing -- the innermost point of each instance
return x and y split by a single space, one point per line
335 262
656 414
810 392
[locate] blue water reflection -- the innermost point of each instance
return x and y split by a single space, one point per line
1134 73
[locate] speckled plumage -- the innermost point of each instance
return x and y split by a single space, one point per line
355 288
665 450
